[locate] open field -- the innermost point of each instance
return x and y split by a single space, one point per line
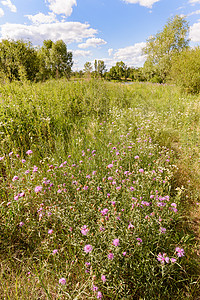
99 186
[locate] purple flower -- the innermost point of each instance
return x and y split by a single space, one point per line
136 157
103 278
84 230
162 229
110 166
130 225
50 231
139 241
38 189
116 242
124 253
95 288
99 295
141 170
104 211
15 178
62 281
173 260
88 248
29 152
21 224
110 256
163 258
179 252
55 251
23 161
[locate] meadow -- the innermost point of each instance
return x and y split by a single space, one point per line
99 187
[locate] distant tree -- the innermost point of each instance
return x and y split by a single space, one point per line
161 47
99 68
117 72
18 60
185 70
55 60
87 69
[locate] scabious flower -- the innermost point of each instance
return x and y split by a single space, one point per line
84 230
62 281
29 152
163 258
88 248
110 256
38 189
116 242
179 252
15 178
99 295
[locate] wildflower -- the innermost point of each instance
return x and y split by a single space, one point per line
15 178
104 211
116 242
99 295
110 166
136 157
55 251
124 253
179 252
130 225
162 230
84 230
62 281
21 224
103 278
163 258
88 248
50 231
38 189
139 241
29 152
141 170
173 260
95 288
110 256
23 161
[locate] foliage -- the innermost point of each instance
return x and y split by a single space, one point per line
185 71
117 72
161 47
95 207
99 68
18 60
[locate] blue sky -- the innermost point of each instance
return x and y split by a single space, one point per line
111 30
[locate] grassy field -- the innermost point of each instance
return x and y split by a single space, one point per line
99 186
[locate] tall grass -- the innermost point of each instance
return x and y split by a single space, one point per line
101 205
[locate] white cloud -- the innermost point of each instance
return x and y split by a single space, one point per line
195 32
81 53
146 3
41 18
10 5
194 1
61 6
196 12
132 55
110 51
1 12
67 31
93 42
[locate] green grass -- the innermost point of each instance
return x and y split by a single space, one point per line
132 150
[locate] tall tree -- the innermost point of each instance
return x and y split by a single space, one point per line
161 47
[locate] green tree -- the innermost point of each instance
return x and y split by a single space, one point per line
99 68
18 60
118 72
161 47
185 70
87 69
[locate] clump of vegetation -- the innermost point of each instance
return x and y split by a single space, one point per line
99 212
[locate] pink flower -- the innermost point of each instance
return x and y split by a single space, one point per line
99 295
141 170
124 253
110 256
50 231
62 281
104 211
103 278
15 178
29 152
163 258
110 166
84 230
116 242
21 224
55 251
179 252
38 189
88 248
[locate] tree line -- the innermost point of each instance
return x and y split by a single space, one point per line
169 59
19 60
